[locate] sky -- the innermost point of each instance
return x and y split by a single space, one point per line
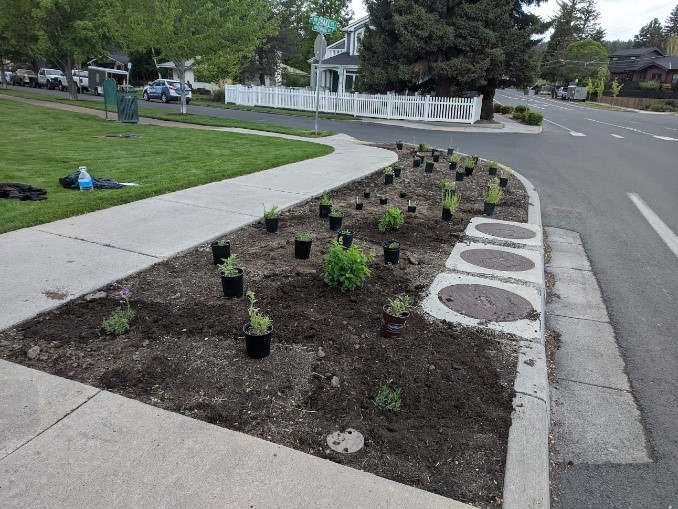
622 19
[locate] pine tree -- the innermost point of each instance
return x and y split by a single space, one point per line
671 25
587 21
650 36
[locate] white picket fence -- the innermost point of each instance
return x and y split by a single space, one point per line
389 106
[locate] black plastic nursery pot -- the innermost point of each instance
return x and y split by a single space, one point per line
399 145
392 326
391 254
468 171
397 170
447 214
257 346
272 224
429 167
450 151
232 286
325 210
367 194
220 252
459 176
359 206
388 178
453 166
335 222
403 194
503 181
492 171
412 208
436 157
488 208
416 163
302 249
345 236
383 201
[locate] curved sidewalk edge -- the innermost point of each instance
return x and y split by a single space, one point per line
526 478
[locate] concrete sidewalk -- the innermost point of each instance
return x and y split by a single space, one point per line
65 445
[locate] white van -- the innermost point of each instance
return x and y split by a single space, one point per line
97 75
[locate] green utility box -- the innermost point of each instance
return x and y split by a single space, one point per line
128 108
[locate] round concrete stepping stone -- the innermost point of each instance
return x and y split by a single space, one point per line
505 231
347 441
484 302
495 259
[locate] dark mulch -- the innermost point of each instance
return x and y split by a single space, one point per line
185 351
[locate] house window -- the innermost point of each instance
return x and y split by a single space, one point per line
358 37
348 86
674 79
655 76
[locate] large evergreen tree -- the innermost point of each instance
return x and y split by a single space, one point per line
587 21
447 46
650 36
671 25
18 32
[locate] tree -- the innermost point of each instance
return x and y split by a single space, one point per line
447 46
584 59
18 32
216 33
650 36
587 21
616 45
671 25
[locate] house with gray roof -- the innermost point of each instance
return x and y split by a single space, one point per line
643 64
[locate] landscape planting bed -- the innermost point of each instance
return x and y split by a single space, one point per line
185 351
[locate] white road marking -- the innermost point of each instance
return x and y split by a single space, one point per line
573 133
617 136
664 232
666 138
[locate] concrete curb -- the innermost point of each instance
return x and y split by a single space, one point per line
505 127
526 477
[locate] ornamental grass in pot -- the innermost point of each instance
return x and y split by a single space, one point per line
257 331
492 196
271 219
394 316
232 278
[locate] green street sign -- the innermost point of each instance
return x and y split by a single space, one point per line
323 25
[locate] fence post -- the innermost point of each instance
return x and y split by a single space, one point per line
389 106
426 107
355 104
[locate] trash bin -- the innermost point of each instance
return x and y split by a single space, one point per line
128 108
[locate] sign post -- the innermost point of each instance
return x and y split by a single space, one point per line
324 27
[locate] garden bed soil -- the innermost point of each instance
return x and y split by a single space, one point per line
185 351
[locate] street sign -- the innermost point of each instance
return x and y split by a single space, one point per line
323 25
320 47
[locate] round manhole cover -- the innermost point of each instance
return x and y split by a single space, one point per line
506 231
496 259
347 441
485 302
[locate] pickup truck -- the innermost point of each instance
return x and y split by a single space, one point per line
81 79
51 79
24 78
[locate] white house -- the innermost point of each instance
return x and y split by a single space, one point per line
189 75
340 65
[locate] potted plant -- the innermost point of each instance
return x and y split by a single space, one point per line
435 153
388 175
492 167
423 147
469 166
221 249
397 170
448 187
492 197
383 200
460 173
391 252
450 149
411 206
399 144
450 204
358 203
454 161
345 237
416 162
302 245
232 278
504 176
325 204
257 331
394 316
429 166
271 219
367 193
336 217
393 219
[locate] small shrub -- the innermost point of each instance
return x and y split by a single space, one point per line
533 118
667 86
345 268
399 306
392 219
493 163
497 108
517 115
660 107
219 95
259 322
521 108
649 85
227 267
493 194
271 213
451 203
388 170
394 244
423 146
304 237
446 185
506 110
325 199
506 172
389 399
454 158
118 322
336 213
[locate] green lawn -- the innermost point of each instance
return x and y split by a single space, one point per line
40 145
86 101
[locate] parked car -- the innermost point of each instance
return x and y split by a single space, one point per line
24 78
81 79
166 91
561 93
51 79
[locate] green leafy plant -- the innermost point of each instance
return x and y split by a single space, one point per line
493 194
227 268
325 199
345 268
271 213
446 185
615 87
451 203
118 322
399 167
454 158
496 108
394 244
423 146
388 170
506 109
336 213
399 306
521 108
259 322
221 242
470 162
389 399
434 151
649 85
392 219
533 118
493 163
505 172
304 237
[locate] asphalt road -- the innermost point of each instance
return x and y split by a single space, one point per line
584 165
